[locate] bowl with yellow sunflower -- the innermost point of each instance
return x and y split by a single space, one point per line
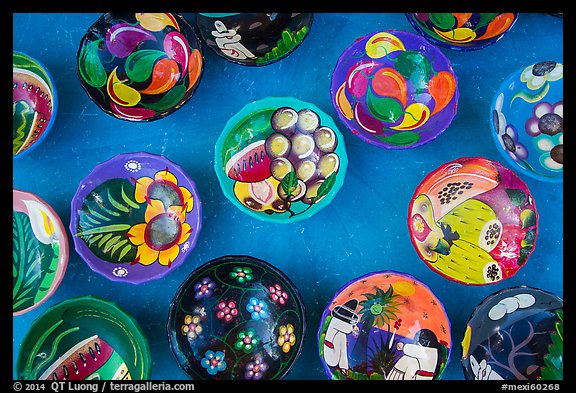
135 217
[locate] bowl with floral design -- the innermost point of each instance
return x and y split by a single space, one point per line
84 338
40 251
473 221
280 159
140 66
236 318
465 31
253 39
384 325
136 217
34 103
394 89
527 120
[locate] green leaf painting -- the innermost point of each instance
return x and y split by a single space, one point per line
287 43
23 120
107 214
90 67
34 264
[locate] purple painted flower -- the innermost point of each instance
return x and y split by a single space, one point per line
204 288
255 369
509 141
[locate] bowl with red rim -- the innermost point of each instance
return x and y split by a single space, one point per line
136 217
35 103
40 251
474 221
280 159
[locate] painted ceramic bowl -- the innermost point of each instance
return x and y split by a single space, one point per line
527 115
384 325
473 221
280 159
34 103
254 39
462 31
84 338
140 67
136 217
236 317
40 251
394 89
515 334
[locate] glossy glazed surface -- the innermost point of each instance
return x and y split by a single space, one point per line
140 67
237 317
515 334
474 221
136 217
394 89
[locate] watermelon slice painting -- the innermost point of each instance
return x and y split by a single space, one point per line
84 338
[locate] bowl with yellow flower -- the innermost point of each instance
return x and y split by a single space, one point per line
135 217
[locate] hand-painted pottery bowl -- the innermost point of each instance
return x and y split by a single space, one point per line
142 66
515 334
40 251
236 317
394 89
527 115
254 39
473 221
384 325
34 103
462 31
280 159
136 217
84 338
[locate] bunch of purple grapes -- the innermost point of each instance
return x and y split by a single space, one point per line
303 155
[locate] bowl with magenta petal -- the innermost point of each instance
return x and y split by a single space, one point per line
140 66
394 89
135 217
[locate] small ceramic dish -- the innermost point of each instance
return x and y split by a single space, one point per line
34 101
140 66
465 31
515 334
84 338
136 217
385 325
40 251
473 221
280 159
237 317
527 120
253 39
394 89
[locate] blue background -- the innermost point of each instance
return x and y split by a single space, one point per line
363 230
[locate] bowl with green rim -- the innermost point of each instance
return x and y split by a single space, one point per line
280 159
84 338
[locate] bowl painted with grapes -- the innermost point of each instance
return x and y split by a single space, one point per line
237 317
280 159
394 89
34 103
462 31
135 217
527 120
84 338
140 66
